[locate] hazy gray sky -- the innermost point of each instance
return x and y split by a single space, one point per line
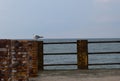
60 18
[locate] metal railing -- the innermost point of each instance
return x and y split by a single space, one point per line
82 53
56 54
101 53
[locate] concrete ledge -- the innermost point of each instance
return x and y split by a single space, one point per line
78 75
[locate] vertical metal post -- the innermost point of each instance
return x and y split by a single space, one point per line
82 54
40 56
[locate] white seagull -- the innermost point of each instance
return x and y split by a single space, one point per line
36 37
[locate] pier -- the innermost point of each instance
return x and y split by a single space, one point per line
22 59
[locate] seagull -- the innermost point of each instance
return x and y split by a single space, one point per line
36 37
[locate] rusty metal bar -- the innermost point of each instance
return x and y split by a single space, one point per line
40 55
82 54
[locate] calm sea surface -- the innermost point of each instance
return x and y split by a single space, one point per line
72 59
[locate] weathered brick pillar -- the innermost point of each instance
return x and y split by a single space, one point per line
5 60
82 54
19 60
33 58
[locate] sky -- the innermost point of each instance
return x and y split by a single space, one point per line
20 19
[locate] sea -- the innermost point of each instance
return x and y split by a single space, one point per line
72 59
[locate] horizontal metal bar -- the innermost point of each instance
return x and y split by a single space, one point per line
104 64
59 64
104 42
104 53
60 43
76 42
92 53
60 53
